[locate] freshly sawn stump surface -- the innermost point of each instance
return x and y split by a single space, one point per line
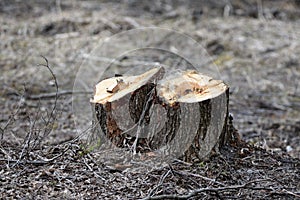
179 113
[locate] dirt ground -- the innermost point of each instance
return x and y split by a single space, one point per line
255 45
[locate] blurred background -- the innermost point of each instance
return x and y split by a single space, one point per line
254 43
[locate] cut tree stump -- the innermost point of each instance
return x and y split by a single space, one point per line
183 113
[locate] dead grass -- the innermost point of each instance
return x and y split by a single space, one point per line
258 57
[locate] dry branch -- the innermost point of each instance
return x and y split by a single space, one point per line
209 189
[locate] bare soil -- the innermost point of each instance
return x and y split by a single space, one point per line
255 45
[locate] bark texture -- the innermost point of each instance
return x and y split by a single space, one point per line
190 120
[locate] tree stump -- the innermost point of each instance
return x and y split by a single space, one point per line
183 114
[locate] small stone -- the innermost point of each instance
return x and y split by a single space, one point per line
289 149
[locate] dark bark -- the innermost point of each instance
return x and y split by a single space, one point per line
191 131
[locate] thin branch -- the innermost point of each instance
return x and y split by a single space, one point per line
292 193
141 120
199 176
52 116
12 116
208 189
54 94
161 180
91 169
27 139
52 159
35 162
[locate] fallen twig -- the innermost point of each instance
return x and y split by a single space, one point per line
54 94
209 189
199 176
35 162
161 180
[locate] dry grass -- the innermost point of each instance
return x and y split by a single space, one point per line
256 54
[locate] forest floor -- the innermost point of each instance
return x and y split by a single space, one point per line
254 44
